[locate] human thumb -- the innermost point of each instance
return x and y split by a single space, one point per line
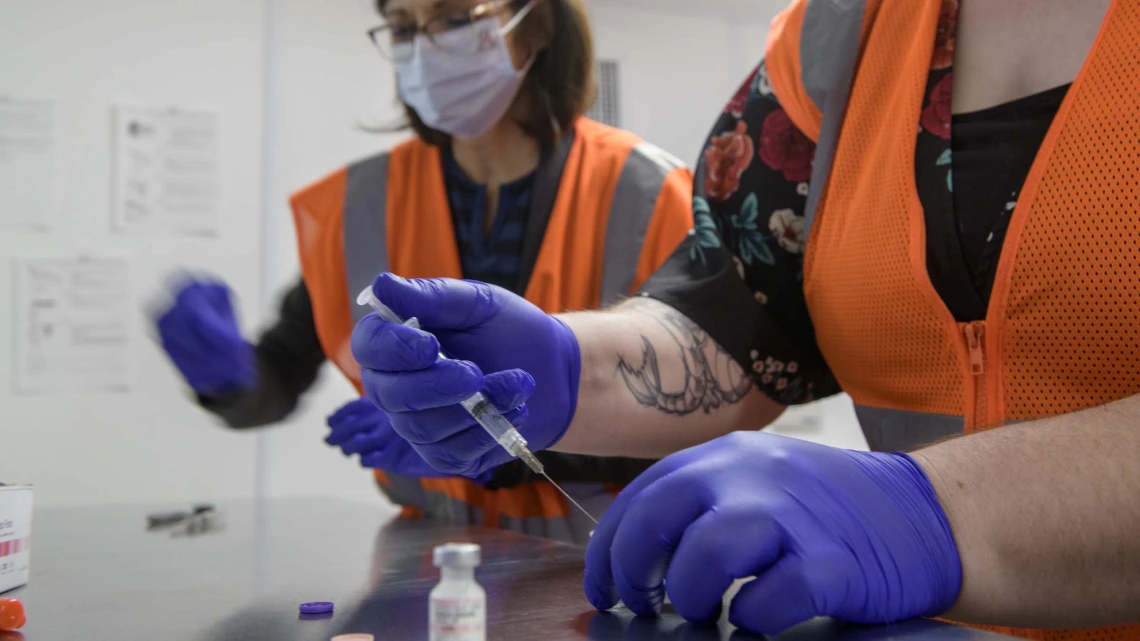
440 303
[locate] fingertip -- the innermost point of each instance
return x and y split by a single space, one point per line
778 599
518 416
332 419
715 616
697 614
394 291
485 477
384 346
490 460
163 321
218 294
509 389
735 619
386 282
188 295
371 381
642 602
523 381
419 346
349 446
445 384
468 453
602 597
357 444
438 303
460 379
636 583
743 620
598 582
348 416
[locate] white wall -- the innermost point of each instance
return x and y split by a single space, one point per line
680 63
151 443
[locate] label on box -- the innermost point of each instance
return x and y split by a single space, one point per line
15 535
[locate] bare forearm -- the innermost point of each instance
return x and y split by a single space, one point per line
1046 516
654 383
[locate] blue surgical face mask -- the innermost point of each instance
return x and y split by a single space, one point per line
464 82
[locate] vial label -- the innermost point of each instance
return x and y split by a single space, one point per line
458 620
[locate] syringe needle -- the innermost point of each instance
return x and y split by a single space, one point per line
571 499
538 468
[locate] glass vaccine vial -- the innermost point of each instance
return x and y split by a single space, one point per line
458 605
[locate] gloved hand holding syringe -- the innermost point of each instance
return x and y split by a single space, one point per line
480 408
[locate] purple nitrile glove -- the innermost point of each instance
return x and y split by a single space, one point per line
856 536
488 329
199 332
359 427
354 418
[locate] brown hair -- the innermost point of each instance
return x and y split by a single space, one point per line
559 87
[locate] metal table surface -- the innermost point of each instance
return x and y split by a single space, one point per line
98 575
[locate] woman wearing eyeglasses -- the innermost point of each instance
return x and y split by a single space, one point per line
505 182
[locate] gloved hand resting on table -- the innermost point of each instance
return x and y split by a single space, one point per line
856 536
359 427
526 353
200 334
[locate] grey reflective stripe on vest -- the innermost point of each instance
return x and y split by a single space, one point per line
406 490
547 528
574 527
829 51
890 430
365 227
631 211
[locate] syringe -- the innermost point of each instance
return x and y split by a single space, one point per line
477 405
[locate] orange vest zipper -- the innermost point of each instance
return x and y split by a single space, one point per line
975 334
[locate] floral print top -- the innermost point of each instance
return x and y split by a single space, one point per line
739 275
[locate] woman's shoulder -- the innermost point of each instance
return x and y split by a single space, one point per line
598 134
405 152
626 144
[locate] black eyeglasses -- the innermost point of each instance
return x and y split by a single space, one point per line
396 40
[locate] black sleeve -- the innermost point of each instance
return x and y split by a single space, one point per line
739 274
571 468
289 357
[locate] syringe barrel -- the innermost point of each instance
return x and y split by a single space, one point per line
492 421
500 429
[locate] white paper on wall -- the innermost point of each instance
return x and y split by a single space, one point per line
72 326
28 164
166 171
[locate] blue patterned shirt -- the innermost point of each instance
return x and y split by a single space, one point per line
492 256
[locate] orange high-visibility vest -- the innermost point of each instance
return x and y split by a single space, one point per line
1062 331
615 208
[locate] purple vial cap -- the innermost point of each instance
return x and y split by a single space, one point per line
317 607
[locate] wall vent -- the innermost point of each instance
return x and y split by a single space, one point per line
607 107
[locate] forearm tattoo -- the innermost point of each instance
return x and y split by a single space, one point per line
712 378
